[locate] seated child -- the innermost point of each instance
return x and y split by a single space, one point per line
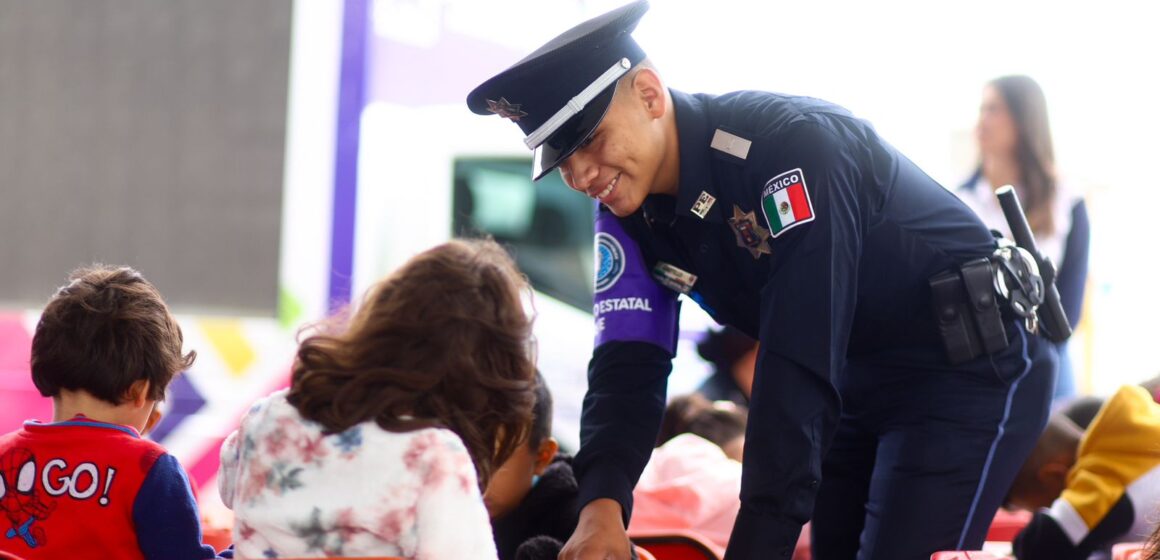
1091 489
390 428
534 493
87 485
693 480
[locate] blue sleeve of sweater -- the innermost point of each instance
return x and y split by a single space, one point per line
166 517
1072 275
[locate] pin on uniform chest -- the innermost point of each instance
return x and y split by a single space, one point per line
747 230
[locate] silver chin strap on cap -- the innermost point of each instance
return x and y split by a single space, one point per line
577 104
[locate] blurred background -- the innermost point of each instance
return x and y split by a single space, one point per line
261 161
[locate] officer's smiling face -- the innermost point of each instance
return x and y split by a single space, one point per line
624 160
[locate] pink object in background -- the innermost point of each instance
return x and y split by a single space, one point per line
19 399
1129 551
964 555
690 484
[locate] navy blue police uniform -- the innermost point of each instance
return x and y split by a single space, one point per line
795 223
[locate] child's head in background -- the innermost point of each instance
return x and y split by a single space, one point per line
516 477
1043 475
721 422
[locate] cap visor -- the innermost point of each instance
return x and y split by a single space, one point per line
570 135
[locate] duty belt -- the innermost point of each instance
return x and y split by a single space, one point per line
970 301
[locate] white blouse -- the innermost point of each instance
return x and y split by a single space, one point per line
362 492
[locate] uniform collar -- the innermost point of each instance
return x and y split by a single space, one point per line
694 135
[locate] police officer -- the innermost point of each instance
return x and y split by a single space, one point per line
792 221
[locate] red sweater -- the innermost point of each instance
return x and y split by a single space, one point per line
86 489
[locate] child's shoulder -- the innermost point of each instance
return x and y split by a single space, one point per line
416 450
89 437
9 436
274 402
118 438
442 436
270 411
417 441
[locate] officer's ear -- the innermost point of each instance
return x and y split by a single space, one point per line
647 86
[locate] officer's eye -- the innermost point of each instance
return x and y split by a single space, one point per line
587 142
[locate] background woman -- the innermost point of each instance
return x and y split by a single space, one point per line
1015 148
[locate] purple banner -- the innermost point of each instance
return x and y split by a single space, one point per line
351 100
629 305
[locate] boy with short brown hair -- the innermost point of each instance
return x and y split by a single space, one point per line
87 485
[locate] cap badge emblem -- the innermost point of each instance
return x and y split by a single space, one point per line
506 109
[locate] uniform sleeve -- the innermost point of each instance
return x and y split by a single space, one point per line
810 206
636 323
620 419
165 515
450 517
1072 275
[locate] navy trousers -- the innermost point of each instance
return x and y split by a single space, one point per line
925 452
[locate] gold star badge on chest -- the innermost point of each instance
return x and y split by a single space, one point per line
506 109
750 234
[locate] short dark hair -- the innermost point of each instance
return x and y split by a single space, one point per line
541 414
1083 410
693 413
103 331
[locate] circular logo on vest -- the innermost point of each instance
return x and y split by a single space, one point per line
609 261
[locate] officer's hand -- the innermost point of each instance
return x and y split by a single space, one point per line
600 535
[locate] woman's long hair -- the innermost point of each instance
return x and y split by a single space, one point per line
442 342
1035 152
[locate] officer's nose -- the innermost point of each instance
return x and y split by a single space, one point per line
579 172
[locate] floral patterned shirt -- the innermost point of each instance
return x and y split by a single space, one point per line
363 492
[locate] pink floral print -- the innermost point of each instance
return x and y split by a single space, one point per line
364 492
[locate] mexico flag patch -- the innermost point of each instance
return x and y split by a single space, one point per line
786 202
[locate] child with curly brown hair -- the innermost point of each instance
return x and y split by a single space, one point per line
389 430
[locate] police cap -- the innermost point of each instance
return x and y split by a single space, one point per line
559 94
